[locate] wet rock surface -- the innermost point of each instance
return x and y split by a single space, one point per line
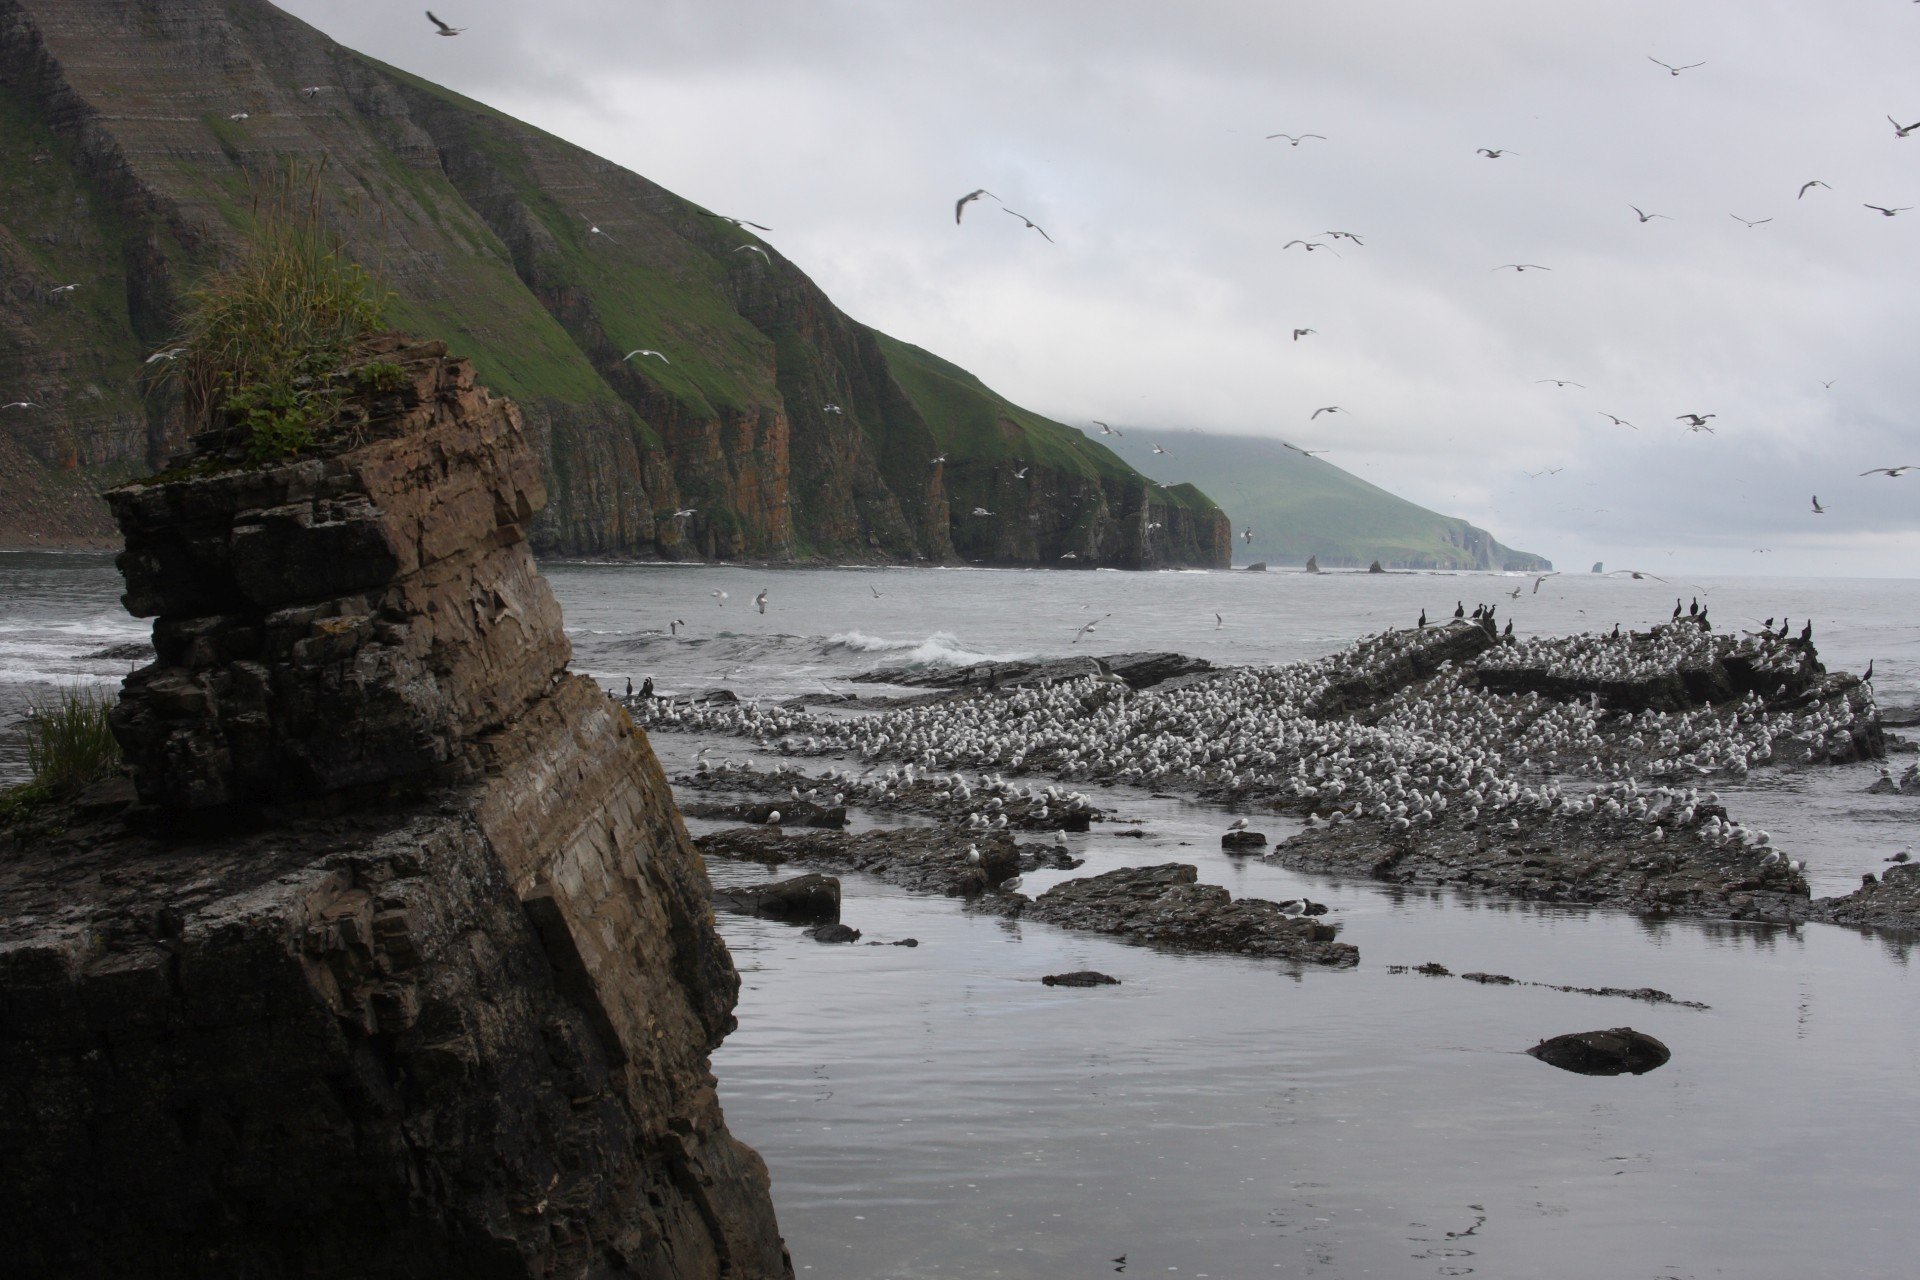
1650 995
811 899
1890 901
1137 670
1167 906
929 859
1619 1051
793 813
1080 978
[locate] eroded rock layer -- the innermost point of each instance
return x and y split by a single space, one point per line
404 964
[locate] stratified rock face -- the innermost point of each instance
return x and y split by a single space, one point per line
785 429
463 1030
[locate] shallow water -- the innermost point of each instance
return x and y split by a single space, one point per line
936 1111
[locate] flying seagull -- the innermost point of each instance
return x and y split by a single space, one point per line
1031 224
57 290
1902 130
1562 382
1308 245
1892 473
1828 382
170 353
239 115
1817 508
1345 235
1695 420
1158 449
1330 408
1309 453
938 459
1540 579
1880 208
1106 430
1088 626
1021 474
684 512
752 248
738 222
1246 535
1296 139
830 408
314 90
1673 70
594 230
1492 153
875 590
1806 185
19 404
1647 217
1522 266
644 351
445 30
961 204
1636 574
1750 223
1618 422
1301 333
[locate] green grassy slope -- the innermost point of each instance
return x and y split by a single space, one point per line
1299 506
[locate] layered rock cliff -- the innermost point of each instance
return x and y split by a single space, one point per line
133 134
403 964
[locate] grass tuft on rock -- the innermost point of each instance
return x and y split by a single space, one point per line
265 336
69 745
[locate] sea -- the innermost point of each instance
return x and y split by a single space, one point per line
936 1111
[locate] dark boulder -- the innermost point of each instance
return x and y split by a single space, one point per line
1243 841
810 899
1375 568
1080 978
834 933
1258 566
1313 564
1620 1051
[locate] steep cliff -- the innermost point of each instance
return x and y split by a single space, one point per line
403 965
135 129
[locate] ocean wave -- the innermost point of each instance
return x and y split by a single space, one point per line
941 649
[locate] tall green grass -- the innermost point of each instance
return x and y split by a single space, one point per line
265 335
69 742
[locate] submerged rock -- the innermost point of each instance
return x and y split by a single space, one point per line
1620 1051
1168 906
803 899
1243 841
835 933
1080 978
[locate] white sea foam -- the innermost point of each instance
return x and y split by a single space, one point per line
941 649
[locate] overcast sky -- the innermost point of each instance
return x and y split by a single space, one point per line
1134 133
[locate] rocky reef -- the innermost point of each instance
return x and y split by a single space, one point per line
400 962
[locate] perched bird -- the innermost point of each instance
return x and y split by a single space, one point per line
960 205
313 90
1673 70
1902 130
1886 212
937 459
1805 186
1647 217
1331 408
1238 824
1892 473
645 351
1301 333
1522 266
1618 422
1749 223
1031 224
445 30
1492 153
1296 139
1817 508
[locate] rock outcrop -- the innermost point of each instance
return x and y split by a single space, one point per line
1620 1051
403 964
134 138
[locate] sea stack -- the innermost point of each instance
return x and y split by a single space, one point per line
1313 564
403 963
1598 567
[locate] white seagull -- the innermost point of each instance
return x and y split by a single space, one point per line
1329 408
1296 138
644 351
445 30
1673 70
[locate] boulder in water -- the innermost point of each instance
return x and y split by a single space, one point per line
810 899
1258 566
1080 978
1237 841
1375 568
1620 1051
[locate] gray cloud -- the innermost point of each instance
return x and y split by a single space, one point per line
1133 133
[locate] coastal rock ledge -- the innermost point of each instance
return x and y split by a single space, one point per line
402 963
